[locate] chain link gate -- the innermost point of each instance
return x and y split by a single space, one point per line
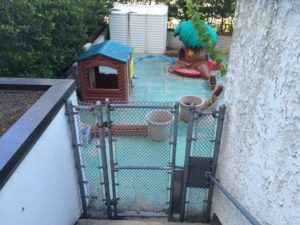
126 165
88 136
202 147
142 145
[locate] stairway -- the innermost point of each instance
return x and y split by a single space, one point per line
132 222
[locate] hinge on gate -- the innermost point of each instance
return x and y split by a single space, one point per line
101 126
110 108
107 124
192 139
68 114
207 174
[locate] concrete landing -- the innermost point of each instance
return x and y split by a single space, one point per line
131 222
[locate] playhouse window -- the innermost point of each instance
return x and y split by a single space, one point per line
107 70
103 77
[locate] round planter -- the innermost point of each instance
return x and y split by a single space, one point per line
184 105
159 125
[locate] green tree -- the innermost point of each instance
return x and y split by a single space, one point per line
40 38
217 9
177 8
202 31
209 8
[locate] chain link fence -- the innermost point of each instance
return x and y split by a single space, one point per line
202 134
142 137
127 154
91 159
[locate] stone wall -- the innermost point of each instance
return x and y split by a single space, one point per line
224 43
259 159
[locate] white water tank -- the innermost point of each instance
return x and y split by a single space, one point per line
118 23
144 27
157 20
138 28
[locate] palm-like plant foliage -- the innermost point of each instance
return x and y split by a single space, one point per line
191 37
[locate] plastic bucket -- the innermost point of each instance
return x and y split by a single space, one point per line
159 125
184 105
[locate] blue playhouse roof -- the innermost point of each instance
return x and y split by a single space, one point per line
111 49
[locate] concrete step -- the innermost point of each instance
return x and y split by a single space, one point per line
132 222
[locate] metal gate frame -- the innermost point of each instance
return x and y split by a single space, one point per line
175 109
180 178
72 111
211 165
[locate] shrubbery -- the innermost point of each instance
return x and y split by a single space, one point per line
40 38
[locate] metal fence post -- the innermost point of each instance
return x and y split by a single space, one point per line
215 159
99 116
78 165
189 140
173 162
111 157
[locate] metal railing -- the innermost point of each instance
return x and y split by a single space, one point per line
238 205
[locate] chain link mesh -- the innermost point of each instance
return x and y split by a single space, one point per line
142 139
91 160
141 143
142 191
204 132
197 198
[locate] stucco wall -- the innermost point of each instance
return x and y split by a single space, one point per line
43 189
260 154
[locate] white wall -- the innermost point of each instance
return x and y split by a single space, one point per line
44 189
101 38
260 154
173 42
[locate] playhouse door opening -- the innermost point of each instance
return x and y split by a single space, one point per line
103 77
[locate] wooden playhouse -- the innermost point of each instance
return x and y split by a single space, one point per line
105 72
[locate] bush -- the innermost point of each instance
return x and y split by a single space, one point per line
42 37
